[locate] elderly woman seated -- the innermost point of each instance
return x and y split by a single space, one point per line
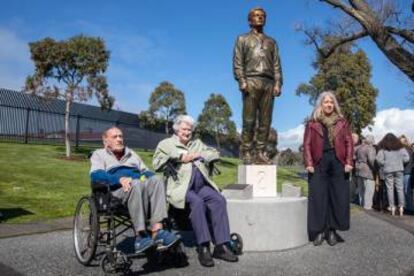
193 187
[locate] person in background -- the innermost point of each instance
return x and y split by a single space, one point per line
365 171
353 183
392 156
408 167
328 153
381 202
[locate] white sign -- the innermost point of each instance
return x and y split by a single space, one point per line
262 177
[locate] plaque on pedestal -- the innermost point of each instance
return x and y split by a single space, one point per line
262 177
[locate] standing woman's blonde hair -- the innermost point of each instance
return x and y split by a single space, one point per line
317 111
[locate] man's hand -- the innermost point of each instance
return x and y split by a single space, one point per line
277 91
126 183
348 168
310 169
188 157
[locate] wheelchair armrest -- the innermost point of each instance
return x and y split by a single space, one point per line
100 186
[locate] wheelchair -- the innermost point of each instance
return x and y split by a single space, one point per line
179 218
99 220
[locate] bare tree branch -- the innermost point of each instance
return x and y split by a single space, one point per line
400 54
344 40
347 9
406 34
325 52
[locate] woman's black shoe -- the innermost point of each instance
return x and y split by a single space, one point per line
224 253
318 240
204 256
338 238
331 238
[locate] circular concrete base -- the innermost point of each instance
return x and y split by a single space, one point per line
269 224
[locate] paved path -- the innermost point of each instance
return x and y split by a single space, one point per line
372 247
19 229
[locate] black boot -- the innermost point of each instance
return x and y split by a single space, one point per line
204 256
318 239
224 253
331 238
262 159
338 238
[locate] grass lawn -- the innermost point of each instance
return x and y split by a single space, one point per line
36 183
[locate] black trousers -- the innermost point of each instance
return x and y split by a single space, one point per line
328 200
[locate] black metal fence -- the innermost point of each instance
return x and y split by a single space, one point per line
26 125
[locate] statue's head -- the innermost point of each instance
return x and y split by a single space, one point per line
257 17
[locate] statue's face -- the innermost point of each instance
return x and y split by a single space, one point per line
257 18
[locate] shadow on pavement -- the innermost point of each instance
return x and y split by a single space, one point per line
9 213
8 271
156 261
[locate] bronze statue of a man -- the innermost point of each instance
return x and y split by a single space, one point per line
257 68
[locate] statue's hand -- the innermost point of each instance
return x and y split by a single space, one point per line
243 87
277 91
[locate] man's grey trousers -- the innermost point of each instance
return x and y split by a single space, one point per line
145 199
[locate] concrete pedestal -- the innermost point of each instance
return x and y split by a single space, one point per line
269 224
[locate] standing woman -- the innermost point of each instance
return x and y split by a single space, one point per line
328 154
392 156
365 171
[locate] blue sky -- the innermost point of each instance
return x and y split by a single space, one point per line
188 43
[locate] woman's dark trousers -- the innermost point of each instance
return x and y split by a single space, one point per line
328 200
208 211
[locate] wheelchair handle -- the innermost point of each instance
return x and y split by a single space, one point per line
212 168
170 171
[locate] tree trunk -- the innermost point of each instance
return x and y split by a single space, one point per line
400 57
217 137
166 127
67 127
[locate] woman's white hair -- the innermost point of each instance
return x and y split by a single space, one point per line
317 111
369 139
183 119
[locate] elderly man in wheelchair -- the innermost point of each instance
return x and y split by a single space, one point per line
128 182
191 186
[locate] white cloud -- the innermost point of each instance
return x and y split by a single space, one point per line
14 60
135 49
291 138
132 97
12 48
395 120
126 47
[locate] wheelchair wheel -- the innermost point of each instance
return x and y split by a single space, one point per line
115 263
179 257
85 230
236 243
